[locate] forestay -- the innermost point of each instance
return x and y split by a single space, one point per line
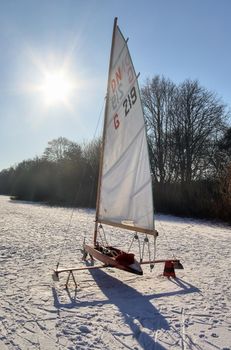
125 192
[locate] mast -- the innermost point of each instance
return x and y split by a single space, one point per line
104 132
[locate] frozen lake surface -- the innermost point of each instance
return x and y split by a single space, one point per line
111 309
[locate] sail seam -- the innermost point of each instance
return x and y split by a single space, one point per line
141 188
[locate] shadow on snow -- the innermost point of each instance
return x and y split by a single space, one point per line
138 312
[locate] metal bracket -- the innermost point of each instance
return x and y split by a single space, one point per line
68 278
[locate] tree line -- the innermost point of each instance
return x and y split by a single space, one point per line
66 174
189 139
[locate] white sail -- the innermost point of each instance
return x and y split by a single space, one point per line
125 192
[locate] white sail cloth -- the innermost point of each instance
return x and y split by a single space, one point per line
126 187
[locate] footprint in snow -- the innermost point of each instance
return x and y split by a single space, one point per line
214 335
84 329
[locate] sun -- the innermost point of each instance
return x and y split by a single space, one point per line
57 87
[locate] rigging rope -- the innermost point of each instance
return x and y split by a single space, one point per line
78 191
104 239
146 241
154 253
94 136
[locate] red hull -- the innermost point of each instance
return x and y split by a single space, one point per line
114 257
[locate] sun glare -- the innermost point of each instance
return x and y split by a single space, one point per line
56 88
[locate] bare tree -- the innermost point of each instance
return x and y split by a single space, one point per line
158 96
184 123
60 149
198 121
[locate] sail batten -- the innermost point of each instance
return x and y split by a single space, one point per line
125 191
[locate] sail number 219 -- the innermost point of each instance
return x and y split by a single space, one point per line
129 101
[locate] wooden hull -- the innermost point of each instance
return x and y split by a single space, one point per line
113 257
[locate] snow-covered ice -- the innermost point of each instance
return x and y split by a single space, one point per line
111 309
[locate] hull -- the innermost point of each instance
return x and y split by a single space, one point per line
113 257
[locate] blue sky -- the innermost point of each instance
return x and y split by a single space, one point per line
179 39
